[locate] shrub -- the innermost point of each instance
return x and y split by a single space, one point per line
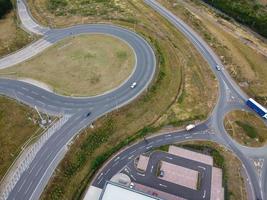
5 7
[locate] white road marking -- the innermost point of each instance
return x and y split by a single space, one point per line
99 176
133 151
140 174
202 167
133 177
28 188
163 185
204 195
149 147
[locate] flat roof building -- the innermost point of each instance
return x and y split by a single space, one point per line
114 191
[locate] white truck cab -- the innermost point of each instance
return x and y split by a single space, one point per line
190 127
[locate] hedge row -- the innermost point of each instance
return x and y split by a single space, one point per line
247 12
5 7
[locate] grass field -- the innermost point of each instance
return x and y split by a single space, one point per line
16 127
246 128
233 181
83 65
176 58
239 50
12 37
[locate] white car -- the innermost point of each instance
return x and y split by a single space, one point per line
133 85
218 67
131 185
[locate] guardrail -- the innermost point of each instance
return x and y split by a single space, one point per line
28 158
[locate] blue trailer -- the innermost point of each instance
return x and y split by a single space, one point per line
257 108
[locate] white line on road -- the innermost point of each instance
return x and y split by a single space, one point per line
149 147
204 195
28 188
163 185
140 174
99 176
133 177
202 167
133 151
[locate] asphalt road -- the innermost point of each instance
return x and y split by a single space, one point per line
231 97
32 182
34 179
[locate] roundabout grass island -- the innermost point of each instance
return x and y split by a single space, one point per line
83 65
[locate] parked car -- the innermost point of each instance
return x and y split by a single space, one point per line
131 185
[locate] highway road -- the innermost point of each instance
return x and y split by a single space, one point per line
32 182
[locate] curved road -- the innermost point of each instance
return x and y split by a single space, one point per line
32 182
231 97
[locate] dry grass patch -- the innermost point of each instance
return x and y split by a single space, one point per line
175 55
243 54
83 65
12 37
16 127
246 128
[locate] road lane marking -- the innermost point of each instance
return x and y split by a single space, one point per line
140 174
28 188
99 176
204 195
133 177
133 151
163 185
202 167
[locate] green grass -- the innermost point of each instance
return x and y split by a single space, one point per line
5 7
248 129
134 121
247 12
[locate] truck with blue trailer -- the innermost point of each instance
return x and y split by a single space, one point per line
257 108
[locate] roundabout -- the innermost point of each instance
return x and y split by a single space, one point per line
81 65
24 183
31 177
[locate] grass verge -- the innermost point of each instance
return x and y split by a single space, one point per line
12 37
80 65
18 123
243 54
176 60
246 128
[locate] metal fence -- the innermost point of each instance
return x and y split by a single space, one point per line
28 158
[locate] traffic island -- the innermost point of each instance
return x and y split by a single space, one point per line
246 128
